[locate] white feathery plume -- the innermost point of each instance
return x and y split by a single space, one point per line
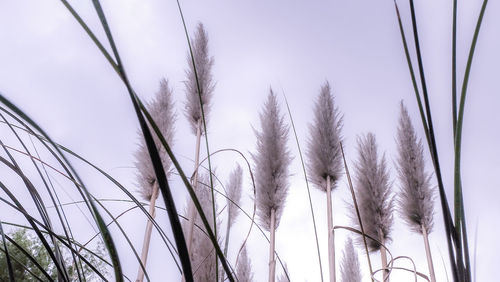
203 63
271 171
202 251
374 195
416 197
349 266
325 161
244 268
323 153
162 112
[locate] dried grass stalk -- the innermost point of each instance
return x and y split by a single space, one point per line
325 160
271 171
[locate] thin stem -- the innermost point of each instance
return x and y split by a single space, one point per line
147 233
425 234
383 257
331 235
357 212
272 261
454 67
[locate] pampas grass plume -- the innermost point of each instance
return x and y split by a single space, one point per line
271 163
373 191
349 266
162 111
416 198
204 65
324 143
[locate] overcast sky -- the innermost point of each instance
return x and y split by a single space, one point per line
53 71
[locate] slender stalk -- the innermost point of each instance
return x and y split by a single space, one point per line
357 212
272 261
429 255
192 211
454 67
383 257
147 233
331 235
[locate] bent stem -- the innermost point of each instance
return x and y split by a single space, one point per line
272 261
429 255
147 233
331 235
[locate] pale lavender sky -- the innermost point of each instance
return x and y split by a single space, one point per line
52 70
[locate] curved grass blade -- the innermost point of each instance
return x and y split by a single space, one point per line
60 213
83 192
460 222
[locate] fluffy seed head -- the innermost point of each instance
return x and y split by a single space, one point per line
162 111
244 268
416 197
271 163
324 143
373 192
349 266
234 193
204 65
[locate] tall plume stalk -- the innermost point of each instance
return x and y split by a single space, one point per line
374 196
162 111
416 197
349 267
271 172
325 160
234 197
203 252
244 268
202 77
